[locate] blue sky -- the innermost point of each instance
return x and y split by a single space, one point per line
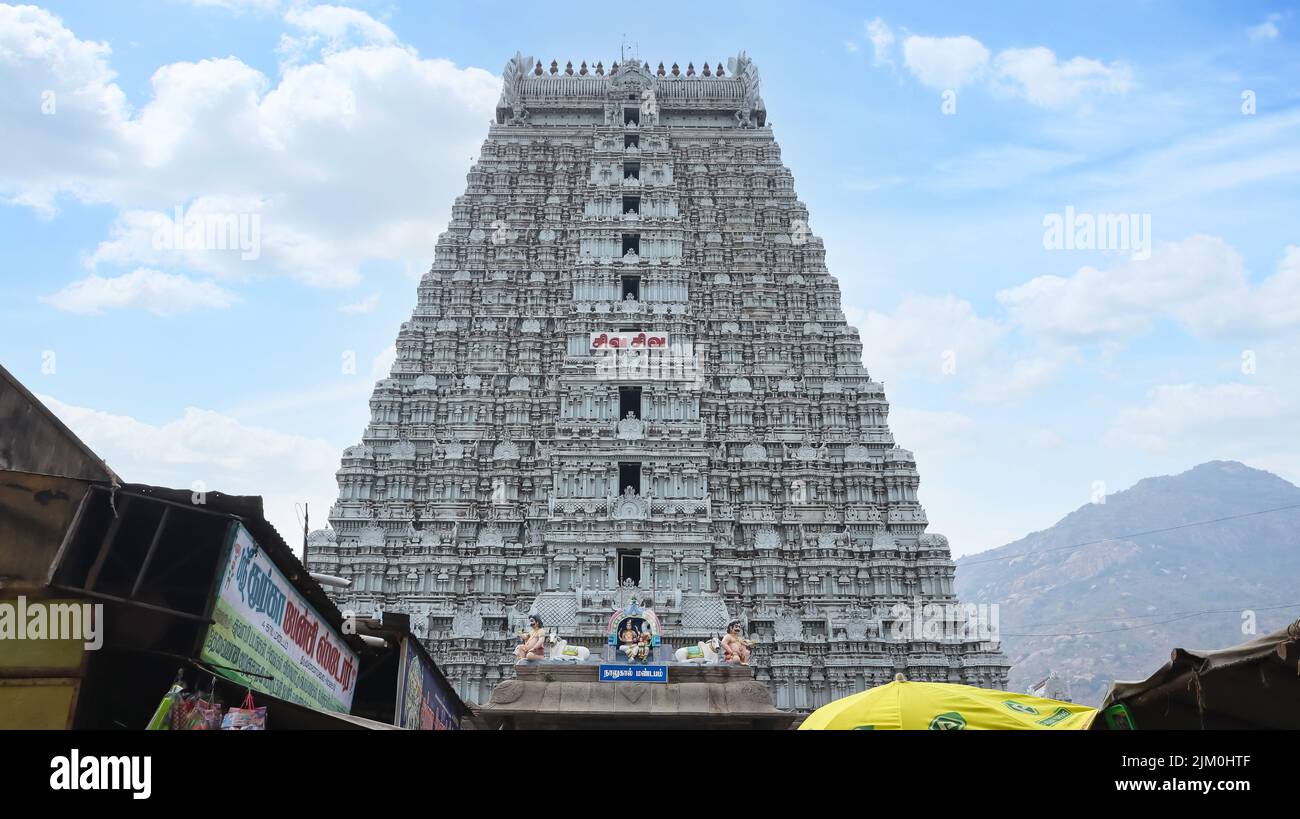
930 144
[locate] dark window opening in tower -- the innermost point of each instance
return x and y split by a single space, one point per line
632 204
632 170
631 140
632 242
629 565
629 474
629 400
632 116
631 286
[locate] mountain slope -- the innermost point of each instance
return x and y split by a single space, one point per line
1136 593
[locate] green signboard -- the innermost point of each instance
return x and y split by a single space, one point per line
266 636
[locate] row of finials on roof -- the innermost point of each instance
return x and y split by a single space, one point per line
600 69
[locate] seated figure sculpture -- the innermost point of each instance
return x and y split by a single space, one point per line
629 640
533 646
735 648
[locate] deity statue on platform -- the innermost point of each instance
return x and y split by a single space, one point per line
634 628
534 641
638 649
735 648
635 642
629 639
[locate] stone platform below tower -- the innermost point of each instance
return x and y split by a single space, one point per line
557 695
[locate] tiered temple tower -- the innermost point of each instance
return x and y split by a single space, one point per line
629 374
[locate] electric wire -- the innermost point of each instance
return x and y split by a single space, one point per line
1130 536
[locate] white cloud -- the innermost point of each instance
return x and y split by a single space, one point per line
1249 151
221 235
364 306
1037 76
58 133
341 156
1201 281
882 41
224 454
934 338
1034 74
1266 30
331 28
945 62
1204 419
933 435
339 22
923 334
162 294
1017 378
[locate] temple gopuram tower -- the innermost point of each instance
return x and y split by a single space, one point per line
629 375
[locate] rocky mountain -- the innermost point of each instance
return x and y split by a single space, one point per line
1115 609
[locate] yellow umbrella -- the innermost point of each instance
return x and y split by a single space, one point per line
946 707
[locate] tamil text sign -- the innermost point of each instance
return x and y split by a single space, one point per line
267 636
634 673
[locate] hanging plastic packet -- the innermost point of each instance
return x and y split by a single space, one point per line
181 710
204 716
198 711
246 717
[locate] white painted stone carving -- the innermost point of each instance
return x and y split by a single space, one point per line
468 623
506 451
630 428
857 453
788 627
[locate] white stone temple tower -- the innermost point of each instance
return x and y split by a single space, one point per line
629 374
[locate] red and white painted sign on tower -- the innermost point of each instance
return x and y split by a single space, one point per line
629 341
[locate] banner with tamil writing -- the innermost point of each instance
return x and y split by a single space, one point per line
266 636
